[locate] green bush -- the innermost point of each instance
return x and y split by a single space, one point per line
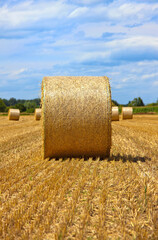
2 106
152 104
145 109
21 107
30 110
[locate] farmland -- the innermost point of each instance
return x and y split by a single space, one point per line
113 198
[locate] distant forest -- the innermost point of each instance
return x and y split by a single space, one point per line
24 105
30 105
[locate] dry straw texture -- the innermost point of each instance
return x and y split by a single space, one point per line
38 113
14 114
76 116
127 113
115 114
79 199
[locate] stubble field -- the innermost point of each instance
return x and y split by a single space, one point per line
114 198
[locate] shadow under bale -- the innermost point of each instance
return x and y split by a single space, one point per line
118 157
128 158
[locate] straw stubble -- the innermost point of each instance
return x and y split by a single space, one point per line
76 116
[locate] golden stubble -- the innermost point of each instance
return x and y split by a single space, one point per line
79 198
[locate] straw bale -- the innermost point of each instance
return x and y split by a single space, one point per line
115 114
14 114
76 116
127 113
38 113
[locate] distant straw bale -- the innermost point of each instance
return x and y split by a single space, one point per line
115 114
38 113
127 112
14 114
76 116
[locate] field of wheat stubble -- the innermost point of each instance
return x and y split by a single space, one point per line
113 198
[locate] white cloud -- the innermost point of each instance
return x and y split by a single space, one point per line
26 13
133 42
29 12
12 74
119 11
96 30
148 76
17 72
145 29
132 12
78 12
85 2
65 37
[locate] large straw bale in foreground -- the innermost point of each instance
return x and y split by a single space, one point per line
38 113
76 116
127 112
115 114
14 114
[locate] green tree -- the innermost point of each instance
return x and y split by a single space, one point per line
114 103
30 106
6 102
37 101
22 101
12 101
21 107
136 102
2 106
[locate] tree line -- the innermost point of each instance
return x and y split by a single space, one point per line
21 104
136 102
30 105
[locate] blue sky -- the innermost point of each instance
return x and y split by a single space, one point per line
118 39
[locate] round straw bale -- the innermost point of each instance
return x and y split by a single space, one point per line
14 114
127 112
115 114
76 116
38 113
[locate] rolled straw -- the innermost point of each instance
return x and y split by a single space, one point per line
115 114
76 116
127 113
14 114
38 113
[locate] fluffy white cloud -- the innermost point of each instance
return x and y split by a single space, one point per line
29 12
85 2
149 76
127 13
132 12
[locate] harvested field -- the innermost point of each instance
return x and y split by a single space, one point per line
116 198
